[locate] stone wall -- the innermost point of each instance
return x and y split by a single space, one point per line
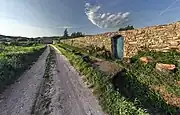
159 38
96 40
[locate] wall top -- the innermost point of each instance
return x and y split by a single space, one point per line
116 36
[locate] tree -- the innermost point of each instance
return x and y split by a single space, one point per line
79 34
73 35
66 33
127 28
76 34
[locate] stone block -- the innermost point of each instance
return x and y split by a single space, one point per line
165 67
173 42
146 59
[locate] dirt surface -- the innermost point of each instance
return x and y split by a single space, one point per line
106 66
52 88
19 97
43 104
168 97
71 96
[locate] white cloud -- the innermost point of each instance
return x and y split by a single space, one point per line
105 20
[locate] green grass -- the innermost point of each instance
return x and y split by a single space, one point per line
147 74
111 101
93 52
14 60
136 88
142 77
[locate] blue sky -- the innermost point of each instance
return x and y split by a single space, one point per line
33 18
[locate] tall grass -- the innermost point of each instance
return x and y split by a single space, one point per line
16 59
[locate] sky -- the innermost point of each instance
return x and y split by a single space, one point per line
32 18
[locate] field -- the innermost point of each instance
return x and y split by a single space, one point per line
141 89
14 60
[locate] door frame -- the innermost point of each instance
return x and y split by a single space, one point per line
114 46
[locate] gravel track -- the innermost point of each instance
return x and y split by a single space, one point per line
19 97
72 97
67 94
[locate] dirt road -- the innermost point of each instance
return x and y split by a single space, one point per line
19 97
72 97
67 95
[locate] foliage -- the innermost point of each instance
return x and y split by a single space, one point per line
16 59
127 28
144 78
148 72
76 34
65 33
73 35
92 50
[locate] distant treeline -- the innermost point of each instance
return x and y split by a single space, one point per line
127 28
73 35
4 38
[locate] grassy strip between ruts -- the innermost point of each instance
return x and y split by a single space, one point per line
111 101
42 104
14 60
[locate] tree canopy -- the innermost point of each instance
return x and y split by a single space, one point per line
66 33
129 27
76 34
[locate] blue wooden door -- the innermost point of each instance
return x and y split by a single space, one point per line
120 47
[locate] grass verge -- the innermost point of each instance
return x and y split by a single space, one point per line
139 82
143 80
85 50
111 101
